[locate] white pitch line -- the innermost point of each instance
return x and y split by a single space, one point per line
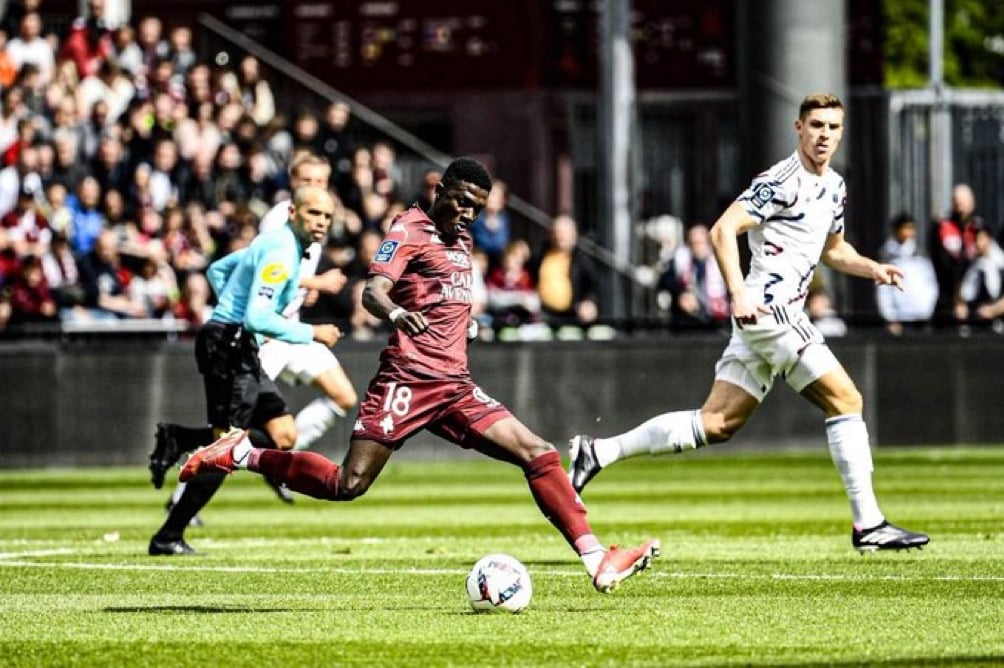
678 575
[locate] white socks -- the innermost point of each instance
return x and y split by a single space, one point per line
592 559
241 452
669 432
314 419
852 455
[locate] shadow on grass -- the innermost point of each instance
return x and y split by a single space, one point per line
197 609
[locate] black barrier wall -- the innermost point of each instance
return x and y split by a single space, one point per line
86 403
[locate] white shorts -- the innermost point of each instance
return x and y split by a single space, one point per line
782 343
295 363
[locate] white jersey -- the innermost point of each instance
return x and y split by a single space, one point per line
797 211
276 217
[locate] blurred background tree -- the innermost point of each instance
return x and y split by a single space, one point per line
974 43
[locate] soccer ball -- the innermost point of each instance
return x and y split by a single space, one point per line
499 583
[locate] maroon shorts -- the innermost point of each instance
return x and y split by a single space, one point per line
398 404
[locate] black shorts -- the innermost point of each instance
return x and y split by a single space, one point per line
238 393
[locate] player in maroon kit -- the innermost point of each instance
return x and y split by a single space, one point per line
420 281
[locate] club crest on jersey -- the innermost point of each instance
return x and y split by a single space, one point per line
458 258
763 195
274 273
386 251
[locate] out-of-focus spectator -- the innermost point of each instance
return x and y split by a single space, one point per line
106 282
14 11
912 306
306 132
127 52
30 298
31 47
27 135
491 230
68 168
110 166
255 91
109 84
164 175
822 314
154 287
8 70
55 210
692 288
182 55
89 41
12 110
23 175
427 193
333 140
195 303
88 222
386 175
364 325
185 246
983 283
62 274
512 296
952 248
27 229
198 134
566 278
152 45
353 188
230 185
29 81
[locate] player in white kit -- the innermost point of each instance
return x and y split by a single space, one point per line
793 215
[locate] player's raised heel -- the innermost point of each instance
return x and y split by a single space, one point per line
619 564
887 536
218 456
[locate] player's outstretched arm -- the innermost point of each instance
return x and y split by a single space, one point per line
839 254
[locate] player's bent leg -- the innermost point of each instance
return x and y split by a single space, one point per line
362 464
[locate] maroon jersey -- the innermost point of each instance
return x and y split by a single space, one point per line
432 276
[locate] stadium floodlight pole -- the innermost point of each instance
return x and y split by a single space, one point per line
941 115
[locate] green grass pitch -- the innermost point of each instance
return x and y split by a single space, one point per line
757 569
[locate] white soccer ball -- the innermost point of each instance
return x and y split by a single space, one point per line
499 583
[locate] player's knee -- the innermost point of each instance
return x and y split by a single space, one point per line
352 486
848 401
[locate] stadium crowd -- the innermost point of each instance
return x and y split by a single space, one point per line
128 164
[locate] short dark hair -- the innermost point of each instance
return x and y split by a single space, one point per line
467 170
819 101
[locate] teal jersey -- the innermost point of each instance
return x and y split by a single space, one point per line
255 284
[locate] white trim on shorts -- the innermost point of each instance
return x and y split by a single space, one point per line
782 343
296 363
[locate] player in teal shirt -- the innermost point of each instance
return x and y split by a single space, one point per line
253 285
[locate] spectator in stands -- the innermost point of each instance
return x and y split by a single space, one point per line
427 193
110 165
819 307
31 47
64 84
952 249
12 110
27 135
164 175
68 167
306 132
23 175
195 303
198 133
491 230
692 285
61 273
27 229
109 84
31 300
982 285
912 306
8 75
29 81
106 282
89 41
512 296
364 325
255 91
127 52
155 287
184 245
386 175
53 207
566 279
334 141
88 222
152 45
14 11
182 55
231 187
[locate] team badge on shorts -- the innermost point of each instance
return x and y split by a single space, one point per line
763 195
386 251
